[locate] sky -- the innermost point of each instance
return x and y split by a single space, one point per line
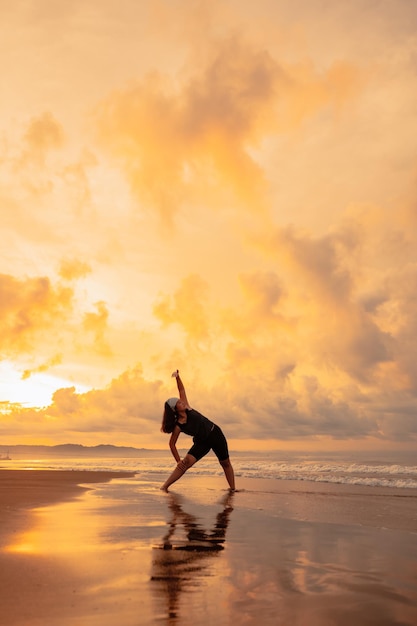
223 187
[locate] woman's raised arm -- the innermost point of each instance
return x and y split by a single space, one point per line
181 388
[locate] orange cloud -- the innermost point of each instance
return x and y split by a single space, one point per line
126 405
188 139
44 367
73 269
265 292
261 331
28 307
96 324
75 178
310 91
43 134
338 328
187 308
65 402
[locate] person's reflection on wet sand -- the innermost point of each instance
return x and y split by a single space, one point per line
180 562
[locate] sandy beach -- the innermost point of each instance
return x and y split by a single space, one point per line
102 548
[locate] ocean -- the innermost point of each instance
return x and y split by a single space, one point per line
372 469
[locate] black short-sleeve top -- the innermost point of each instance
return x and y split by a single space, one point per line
197 425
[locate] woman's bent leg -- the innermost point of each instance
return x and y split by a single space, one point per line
229 473
187 462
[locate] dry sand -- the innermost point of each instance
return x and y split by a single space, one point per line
125 554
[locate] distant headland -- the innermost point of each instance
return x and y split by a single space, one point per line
75 450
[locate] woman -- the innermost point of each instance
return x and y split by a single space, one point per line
180 417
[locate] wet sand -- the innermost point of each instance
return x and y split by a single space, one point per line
278 552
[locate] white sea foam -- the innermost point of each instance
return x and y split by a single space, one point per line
371 473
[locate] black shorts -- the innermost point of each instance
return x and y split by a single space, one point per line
216 441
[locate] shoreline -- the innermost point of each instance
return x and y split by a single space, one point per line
27 488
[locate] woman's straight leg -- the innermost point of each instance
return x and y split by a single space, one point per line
187 462
229 473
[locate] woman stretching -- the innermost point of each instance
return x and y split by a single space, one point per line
180 417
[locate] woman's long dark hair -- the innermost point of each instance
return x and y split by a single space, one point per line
169 419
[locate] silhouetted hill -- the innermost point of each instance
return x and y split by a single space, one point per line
75 450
